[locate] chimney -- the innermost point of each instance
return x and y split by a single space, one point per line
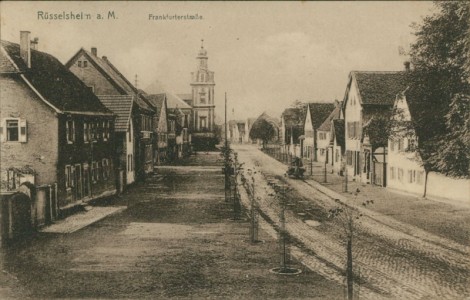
105 58
407 65
34 44
94 51
25 47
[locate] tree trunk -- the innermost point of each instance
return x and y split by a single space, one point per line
349 270
425 183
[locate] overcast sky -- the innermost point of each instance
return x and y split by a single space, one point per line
265 55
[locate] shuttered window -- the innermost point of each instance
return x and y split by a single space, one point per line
13 130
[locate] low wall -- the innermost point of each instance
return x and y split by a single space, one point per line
448 188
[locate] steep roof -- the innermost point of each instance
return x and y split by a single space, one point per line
335 114
379 88
319 112
156 100
113 75
174 101
6 65
121 105
338 134
60 87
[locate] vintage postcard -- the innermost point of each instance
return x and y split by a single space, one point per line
234 150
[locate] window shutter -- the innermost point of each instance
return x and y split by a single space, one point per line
2 135
73 131
23 131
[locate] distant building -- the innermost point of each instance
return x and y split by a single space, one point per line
405 171
203 103
324 136
55 133
316 114
337 143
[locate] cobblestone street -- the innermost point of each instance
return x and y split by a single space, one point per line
176 240
393 259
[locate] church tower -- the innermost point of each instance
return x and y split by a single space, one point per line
202 84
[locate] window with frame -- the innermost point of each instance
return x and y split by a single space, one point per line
93 171
99 131
86 132
105 130
15 130
400 174
93 131
400 144
70 131
85 63
411 145
105 168
79 63
202 97
392 173
99 171
203 122
68 176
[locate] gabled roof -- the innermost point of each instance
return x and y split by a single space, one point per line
338 132
121 105
53 81
377 88
156 100
6 65
112 74
319 112
174 101
335 114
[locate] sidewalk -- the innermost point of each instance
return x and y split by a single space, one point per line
443 219
80 220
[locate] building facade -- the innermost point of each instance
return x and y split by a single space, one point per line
105 80
316 114
55 133
203 104
368 95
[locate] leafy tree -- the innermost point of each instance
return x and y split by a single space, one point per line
440 88
262 130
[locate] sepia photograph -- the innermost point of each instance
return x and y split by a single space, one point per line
235 150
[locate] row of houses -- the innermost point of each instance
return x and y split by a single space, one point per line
82 130
337 134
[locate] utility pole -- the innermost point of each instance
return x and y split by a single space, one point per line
226 140
226 158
